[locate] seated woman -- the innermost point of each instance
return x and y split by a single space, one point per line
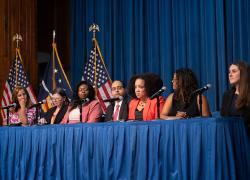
84 98
22 114
236 101
141 88
60 105
181 103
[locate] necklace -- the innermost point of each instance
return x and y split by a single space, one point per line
142 104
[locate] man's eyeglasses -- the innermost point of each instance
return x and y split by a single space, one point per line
116 88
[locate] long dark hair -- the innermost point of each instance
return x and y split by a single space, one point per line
76 100
244 84
186 84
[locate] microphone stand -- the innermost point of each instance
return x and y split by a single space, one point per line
200 103
81 112
37 114
81 106
158 107
8 116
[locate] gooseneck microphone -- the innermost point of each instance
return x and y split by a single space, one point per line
158 93
82 101
113 99
201 90
37 104
9 106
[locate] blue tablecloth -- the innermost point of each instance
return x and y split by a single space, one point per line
211 148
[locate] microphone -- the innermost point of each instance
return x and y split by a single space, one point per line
201 90
9 106
37 104
158 93
113 99
82 101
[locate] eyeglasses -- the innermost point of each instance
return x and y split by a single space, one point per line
56 99
116 88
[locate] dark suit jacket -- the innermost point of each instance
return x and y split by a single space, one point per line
226 106
59 116
123 114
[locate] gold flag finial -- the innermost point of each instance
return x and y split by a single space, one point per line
54 36
17 38
94 27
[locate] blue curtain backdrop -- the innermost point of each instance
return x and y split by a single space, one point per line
162 35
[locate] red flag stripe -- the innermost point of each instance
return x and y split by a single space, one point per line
104 108
6 99
7 94
31 94
108 87
104 92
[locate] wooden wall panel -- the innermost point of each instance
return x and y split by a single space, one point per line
3 43
18 16
57 18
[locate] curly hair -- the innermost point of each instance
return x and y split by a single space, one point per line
76 100
15 99
244 84
186 84
153 83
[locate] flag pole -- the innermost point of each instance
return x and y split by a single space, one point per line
55 53
94 28
99 51
60 64
53 61
17 38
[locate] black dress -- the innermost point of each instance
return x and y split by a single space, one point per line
139 115
228 107
48 115
190 108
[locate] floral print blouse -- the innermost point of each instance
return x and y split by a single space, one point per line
30 113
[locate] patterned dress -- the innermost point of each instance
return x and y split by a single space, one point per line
30 113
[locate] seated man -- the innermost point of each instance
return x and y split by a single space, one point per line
118 110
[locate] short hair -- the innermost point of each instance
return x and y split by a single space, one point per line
122 82
62 93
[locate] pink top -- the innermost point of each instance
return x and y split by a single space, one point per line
30 113
91 112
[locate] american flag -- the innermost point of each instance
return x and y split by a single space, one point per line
17 76
96 74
